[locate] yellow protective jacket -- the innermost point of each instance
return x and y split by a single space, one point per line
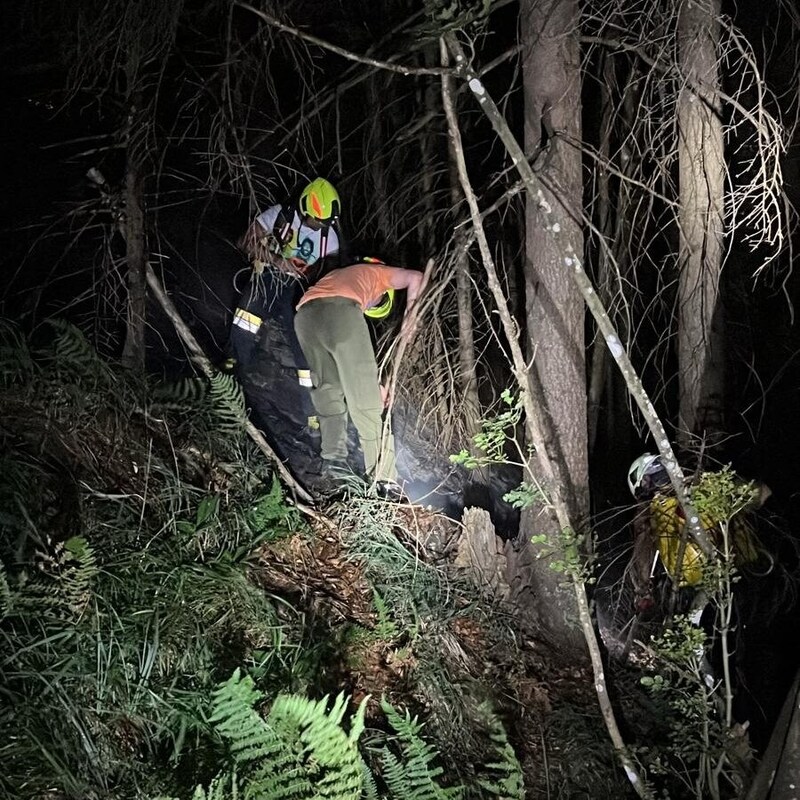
667 524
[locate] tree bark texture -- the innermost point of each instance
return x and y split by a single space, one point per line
136 130
375 146
133 351
554 306
701 207
469 406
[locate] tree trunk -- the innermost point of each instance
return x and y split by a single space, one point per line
469 406
377 162
701 206
598 372
555 309
133 351
428 143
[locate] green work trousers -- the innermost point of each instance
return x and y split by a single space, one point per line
335 339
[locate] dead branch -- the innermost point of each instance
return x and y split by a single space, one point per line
572 261
534 422
349 55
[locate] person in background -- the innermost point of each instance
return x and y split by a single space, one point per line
335 338
662 549
287 245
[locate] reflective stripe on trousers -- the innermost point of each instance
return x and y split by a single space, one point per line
247 321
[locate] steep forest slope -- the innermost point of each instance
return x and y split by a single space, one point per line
157 586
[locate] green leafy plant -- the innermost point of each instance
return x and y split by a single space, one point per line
269 516
116 623
412 774
299 751
722 494
126 594
501 778
213 406
567 556
494 437
693 733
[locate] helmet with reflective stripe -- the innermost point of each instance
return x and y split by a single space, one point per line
646 475
320 200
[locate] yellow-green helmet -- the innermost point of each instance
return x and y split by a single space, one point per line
320 200
383 308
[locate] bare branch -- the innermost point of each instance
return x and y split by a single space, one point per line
349 55
572 261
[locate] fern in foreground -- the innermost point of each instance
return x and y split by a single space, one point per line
501 778
413 776
299 751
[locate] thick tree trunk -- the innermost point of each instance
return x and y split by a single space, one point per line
701 207
555 308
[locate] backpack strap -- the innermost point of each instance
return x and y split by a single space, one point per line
282 229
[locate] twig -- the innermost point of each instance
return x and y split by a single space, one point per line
411 320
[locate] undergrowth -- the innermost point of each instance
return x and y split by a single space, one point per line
139 657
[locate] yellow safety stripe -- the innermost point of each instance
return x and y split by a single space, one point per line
304 377
247 316
244 319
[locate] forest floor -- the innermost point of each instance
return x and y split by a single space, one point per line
445 666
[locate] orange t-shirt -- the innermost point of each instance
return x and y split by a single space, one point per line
364 283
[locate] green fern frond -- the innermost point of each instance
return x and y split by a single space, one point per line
502 778
223 787
369 788
271 516
301 751
215 404
62 586
317 733
357 723
15 356
5 592
227 401
412 777
236 721
385 629
81 569
186 395
75 356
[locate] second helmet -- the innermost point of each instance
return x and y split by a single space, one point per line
646 475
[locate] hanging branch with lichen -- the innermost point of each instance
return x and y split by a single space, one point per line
535 424
572 261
